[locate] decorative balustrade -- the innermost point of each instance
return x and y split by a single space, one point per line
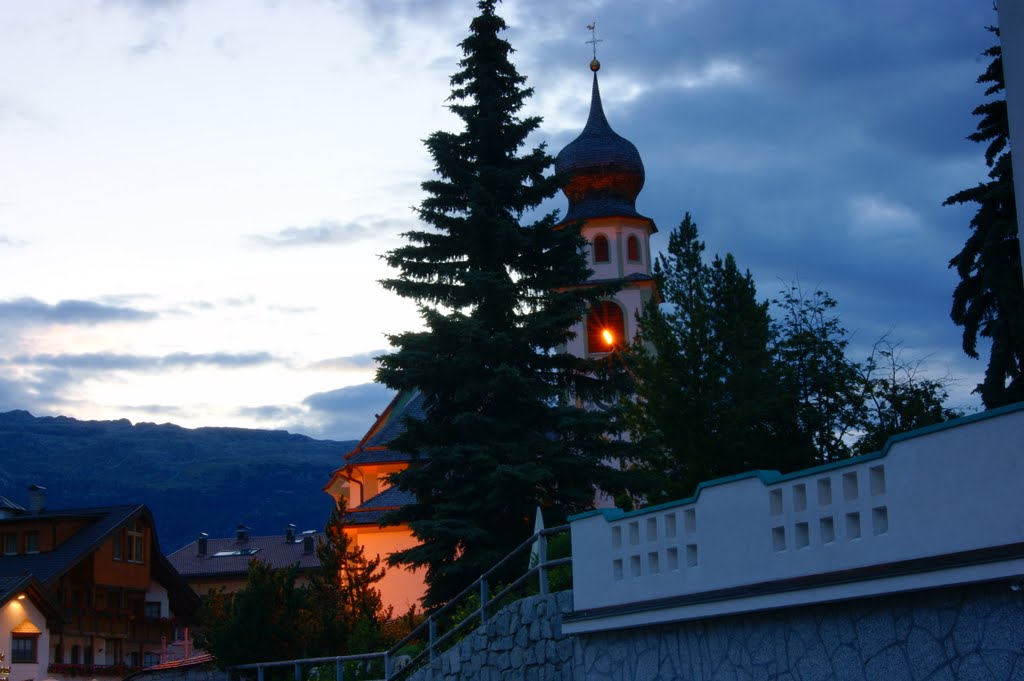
936 506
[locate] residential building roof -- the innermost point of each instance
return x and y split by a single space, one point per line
100 523
13 586
49 565
231 556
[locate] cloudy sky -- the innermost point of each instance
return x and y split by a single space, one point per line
194 195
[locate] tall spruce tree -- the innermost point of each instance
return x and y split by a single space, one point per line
989 300
708 402
503 432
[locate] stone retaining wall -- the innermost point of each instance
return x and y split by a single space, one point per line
969 633
521 641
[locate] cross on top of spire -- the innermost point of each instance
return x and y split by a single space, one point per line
594 40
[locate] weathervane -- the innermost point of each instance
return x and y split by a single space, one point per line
594 40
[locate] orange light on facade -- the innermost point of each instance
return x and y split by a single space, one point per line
21 597
608 336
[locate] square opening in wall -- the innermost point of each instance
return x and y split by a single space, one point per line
617 569
691 555
825 492
853 525
876 474
652 529
779 538
828 530
670 525
652 563
775 501
879 520
799 498
634 533
690 519
634 567
802 536
617 537
672 558
850 486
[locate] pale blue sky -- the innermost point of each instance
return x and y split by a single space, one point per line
194 195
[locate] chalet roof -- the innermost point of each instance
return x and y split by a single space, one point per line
15 585
49 565
155 670
8 505
275 551
100 523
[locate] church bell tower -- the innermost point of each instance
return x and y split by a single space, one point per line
604 174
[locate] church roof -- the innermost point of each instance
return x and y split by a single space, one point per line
603 170
374 447
373 509
391 424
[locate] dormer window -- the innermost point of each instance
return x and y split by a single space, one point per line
601 248
633 249
134 542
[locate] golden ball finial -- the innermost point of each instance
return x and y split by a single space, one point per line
595 65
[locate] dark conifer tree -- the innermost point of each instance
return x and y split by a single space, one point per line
708 401
989 300
500 436
347 608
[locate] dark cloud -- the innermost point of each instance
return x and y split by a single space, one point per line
326 232
109 361
272 412
824 154
342 414
363 360
346 413
32 311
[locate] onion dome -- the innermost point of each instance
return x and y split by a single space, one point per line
602 170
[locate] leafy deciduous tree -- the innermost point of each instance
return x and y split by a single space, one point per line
811 352
897 397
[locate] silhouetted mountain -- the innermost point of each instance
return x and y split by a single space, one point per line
194 480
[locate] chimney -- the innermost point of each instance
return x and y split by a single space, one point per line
289 534
36 499
307 541
202 543
242 533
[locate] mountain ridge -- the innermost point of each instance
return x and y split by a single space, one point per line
207 479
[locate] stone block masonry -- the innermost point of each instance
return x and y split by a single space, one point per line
524 640
966 633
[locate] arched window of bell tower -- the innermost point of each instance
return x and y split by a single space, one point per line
633 248
601 248
606 327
